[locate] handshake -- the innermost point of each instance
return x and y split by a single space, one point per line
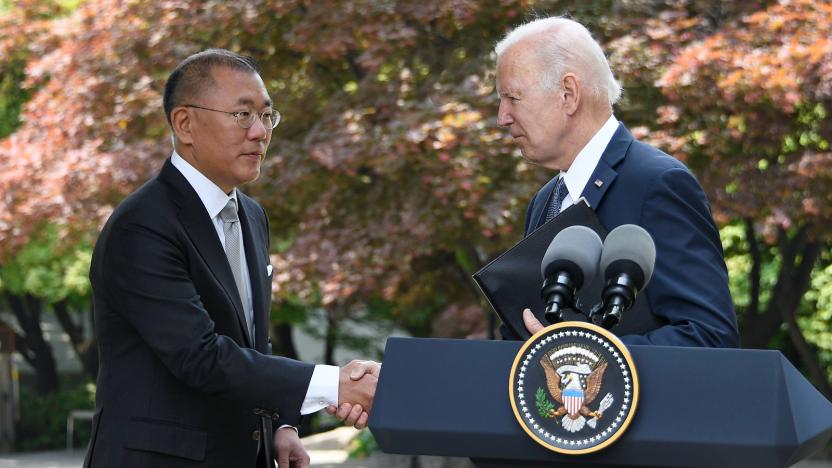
356 389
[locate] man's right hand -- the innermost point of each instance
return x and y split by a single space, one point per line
356 390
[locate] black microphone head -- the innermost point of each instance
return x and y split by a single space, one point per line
576 250
629 249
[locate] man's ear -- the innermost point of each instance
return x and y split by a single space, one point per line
570 93
182 121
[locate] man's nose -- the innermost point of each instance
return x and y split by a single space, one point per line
504 116
258 131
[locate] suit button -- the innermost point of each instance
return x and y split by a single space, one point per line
255 435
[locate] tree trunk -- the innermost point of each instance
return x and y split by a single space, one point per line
85 348
285 344
476 262
329 338
756 266
798 257
808 355
809 358
7 410
33 347
760 328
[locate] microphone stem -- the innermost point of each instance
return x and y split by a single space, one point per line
553 312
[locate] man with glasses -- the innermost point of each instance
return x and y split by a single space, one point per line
182 288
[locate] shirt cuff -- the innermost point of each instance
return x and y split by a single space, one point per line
323 389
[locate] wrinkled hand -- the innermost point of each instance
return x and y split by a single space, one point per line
532 323
356 390
289 448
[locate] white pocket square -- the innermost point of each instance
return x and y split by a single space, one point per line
268 270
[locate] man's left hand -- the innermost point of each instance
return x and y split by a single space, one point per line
290 451
531 322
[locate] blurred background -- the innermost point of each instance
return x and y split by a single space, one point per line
388 182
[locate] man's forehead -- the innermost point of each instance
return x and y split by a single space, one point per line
243 87
244 100
513 76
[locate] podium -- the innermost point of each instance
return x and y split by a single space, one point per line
698 407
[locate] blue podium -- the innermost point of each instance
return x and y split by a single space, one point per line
697 408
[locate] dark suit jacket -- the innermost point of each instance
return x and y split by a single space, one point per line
688 297
179 382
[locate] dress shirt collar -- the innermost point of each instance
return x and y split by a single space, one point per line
211 195
582 168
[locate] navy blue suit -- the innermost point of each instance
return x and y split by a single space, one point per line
688 294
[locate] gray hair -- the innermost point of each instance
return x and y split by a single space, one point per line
566 45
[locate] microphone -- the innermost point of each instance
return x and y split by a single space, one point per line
570 262
627 262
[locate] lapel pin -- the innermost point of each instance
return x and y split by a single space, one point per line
599 183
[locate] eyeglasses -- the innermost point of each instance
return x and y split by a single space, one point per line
245 119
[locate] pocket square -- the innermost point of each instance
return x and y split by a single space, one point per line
268 270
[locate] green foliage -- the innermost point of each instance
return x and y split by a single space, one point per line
363 445
291 311
818 304
40 269
12 94
42 424
814 314
69 5
739 263
544 405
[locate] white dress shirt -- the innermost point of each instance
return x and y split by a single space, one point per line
323 387
578 174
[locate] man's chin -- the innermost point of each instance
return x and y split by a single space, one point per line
249 177
537 160
530 159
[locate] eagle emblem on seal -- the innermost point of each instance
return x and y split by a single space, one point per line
574 376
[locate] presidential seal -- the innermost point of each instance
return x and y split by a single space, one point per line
573 388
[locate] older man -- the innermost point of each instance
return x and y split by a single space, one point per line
182 287
556 95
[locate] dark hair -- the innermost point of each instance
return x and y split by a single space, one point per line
193 75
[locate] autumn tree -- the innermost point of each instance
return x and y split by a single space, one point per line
388 181
745 96
407 185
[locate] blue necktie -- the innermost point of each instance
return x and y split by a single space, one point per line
557 200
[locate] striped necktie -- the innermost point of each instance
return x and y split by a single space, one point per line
557 199
231 230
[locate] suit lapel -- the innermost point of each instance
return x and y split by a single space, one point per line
605 173
257 261
203 234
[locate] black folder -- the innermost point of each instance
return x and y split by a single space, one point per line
512 281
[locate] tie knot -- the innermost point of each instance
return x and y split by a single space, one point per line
229 213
